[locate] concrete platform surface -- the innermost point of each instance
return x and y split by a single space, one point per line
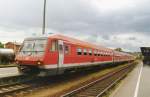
144 87
130 85
9 71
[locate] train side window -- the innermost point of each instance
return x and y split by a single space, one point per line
90 52
108 54
54 45
105 53
98 53
66 49
102 53
60 47
79 51
95 52
85 51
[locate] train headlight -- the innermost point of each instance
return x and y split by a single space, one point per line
39 63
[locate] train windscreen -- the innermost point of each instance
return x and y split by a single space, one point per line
33 47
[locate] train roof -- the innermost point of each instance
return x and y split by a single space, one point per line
122 53
79 42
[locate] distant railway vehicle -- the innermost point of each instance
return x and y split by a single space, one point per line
6 56
57 53
145 51
146 54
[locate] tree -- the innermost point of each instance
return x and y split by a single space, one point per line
1 45
118 49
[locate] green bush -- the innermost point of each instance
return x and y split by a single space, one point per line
1 45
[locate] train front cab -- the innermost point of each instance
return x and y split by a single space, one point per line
31 54
37 56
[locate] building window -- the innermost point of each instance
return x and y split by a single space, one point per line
90 52
54 45
85 52
79 51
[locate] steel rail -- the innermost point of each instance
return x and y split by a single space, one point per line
37 83
6 90
9 85
87 86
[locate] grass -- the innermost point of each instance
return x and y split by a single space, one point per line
7 65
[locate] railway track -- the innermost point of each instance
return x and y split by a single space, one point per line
14 89
27 86
6 90
17 89
12 85
97 88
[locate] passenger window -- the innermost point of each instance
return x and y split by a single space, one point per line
90 52
95 52
98 53
79 51
102 53
54 45
105 53
66 49
60 47
85 52
109 54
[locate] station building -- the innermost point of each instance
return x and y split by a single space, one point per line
12 45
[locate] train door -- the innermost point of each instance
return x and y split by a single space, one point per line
113 57
61 53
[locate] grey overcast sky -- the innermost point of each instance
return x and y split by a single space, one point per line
112 23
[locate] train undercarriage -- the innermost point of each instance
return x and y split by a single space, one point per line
35 70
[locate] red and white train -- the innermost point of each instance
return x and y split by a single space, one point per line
56 53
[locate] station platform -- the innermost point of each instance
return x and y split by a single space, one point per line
129 87
8 72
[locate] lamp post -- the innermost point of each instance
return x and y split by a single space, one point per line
44 17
